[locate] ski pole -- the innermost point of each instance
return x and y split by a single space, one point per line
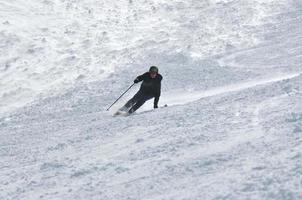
121 96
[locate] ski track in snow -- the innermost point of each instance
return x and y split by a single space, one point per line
186 97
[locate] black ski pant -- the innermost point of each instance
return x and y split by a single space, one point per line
137 101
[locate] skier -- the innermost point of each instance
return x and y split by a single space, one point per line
150 88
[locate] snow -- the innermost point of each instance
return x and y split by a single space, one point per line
232 80
187 97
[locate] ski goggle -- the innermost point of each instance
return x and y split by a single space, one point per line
153 73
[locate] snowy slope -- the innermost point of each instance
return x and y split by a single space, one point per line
47 46
232 79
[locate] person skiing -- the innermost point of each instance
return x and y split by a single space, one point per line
150 88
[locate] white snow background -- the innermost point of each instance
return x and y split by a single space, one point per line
232 79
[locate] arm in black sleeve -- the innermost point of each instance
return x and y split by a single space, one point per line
156 99
140 78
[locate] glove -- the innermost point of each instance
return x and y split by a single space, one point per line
155 106
136 80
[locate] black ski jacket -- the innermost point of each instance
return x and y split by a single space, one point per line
150 86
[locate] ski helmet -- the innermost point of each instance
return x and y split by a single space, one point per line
153 69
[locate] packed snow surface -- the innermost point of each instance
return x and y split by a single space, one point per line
232 82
